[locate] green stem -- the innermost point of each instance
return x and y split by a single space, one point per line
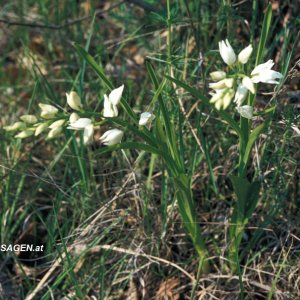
244 124
189 218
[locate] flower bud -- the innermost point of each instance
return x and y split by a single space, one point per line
222 98
146 118
245 54
57 123
88 134
112 137
48 111
24 134
30 119
41 128
217 75
54 132
245 111
16 126
74 101
247 82
224 83
227 52
73 117
217 96
227 98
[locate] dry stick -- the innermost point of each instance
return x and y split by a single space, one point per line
46 276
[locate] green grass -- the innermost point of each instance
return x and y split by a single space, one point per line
62 194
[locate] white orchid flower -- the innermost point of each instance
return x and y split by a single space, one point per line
222 98
240 95
112 101
245 111
245 54
146 118
248 83
227 52
263 73
112 137
48 111
80 124
263 67
74 101
86 125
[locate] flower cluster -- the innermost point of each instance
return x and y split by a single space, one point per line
54 121
236 85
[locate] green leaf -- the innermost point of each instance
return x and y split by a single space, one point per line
247 195
224 115
252 138
128 145
91 61
264 35
170 131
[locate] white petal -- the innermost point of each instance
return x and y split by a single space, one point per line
57 123
227 52
245 111
88 134
245 54
240 95
116 95
30 119
80 123
227 98
48 111
54 132
217 75
247 82
215 97
263 67
109 109
42 127
112 137
146 118
74 100
73 117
